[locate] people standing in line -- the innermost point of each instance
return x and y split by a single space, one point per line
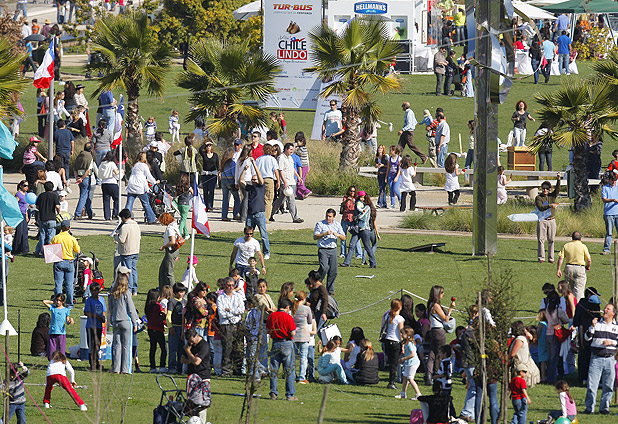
406 133
287 187
577 261
585 311
603 338
392 174
439 68
381 162
170 237
333 121
128 238
327 232
269 169
443 137
546 204
362 229
123 318
451 186
451 70
175 308
210 172
230 307
64 271
256 194
138 187
548 52
282 329
519 118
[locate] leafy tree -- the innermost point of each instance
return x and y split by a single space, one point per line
228 81
11 83
131 60
579 113
357 60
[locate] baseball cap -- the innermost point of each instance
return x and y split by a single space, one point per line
522 367
35 139
122 269
361 193
62 193
238 141
426 112
594 299
154 144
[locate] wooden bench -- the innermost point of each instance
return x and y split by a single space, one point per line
439 210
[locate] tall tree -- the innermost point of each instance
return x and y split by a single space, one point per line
228 83
357 60
132 60
579 113
11 82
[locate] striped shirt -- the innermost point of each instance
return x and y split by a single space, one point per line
597 335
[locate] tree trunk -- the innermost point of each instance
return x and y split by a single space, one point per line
350 152
133 141
582 191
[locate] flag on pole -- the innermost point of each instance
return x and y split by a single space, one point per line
45 73
88 129
200 217
8 205
119 123
7 142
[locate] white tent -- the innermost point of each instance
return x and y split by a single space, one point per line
545 2
532 11
243 13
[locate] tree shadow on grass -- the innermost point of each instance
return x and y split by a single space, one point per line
374 418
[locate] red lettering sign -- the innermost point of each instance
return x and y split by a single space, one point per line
292 54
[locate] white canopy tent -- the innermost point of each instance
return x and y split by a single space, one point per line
243 13
532 11
545 2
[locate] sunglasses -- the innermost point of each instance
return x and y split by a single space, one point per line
248 234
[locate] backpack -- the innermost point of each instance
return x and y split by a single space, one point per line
332 309
198 391
416 417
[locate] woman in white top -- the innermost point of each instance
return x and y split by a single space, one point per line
452 182
171 234
392 323
244 161
353 348
108 173
437 318
53 176
406 185
520 353
138 187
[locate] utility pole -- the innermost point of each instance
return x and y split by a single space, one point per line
485 208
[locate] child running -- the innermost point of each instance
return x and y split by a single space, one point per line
156 327
410 363
408 171
57 330
452 182
57 371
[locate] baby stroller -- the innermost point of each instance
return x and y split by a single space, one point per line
160 197
179 406
81 283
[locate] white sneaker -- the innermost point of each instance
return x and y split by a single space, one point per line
266 256
416 397
401 395
83 407
342 256
47 405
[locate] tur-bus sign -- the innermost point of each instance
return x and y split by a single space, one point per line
286 28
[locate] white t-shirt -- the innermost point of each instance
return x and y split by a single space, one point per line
246 249
171 230
406 184
332 122
392 328
443 130
452 181
55 178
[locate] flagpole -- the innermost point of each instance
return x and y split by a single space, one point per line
50 118
191 267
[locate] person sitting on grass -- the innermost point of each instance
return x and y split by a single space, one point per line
439 405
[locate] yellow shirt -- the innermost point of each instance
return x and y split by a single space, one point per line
575 253
459 19
69 244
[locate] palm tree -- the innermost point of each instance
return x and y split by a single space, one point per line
228 82
132 59
607 71
357 60
579 113
11 82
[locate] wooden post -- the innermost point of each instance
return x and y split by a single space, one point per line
323 405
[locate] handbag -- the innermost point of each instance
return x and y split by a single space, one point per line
562 333
383 330
179 242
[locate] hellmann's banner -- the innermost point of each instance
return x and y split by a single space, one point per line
286 28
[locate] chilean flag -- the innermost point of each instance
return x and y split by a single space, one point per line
200 217
45 74
119 123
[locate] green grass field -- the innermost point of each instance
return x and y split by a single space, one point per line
293 255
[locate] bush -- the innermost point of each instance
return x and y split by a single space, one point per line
589 222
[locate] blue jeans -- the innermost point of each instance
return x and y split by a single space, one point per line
209 182
47 231
333 368
64 273
150 216
535 63
611 221
226 190
282 353
84 198
345 225
393 188
301 349
20 409
442 153
563 62
21 7
259 220
310 362
99 155
365 236
382 195
130 261
374 246
553 353
494 405
110 116
175 343
251 351
545 157
469 159
470 402
601 369
520 409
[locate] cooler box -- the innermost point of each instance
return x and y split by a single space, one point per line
520 158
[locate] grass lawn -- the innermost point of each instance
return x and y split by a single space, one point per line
293 255
417 89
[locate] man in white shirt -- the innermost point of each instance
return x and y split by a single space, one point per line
26 30
230 307
244 248
327 232
406 133
286 173
269 169
332 121
443 137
